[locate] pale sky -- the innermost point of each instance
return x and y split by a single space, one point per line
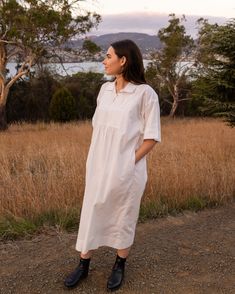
148 16
222 8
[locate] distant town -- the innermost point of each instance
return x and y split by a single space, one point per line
72 51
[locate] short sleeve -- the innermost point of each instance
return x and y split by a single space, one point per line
151 115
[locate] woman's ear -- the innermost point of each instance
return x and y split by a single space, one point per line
123 60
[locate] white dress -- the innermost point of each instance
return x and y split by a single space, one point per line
114 183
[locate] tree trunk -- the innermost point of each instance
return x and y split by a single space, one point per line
3 98
175 101
173 108
3 118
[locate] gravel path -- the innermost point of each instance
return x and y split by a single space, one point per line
188 253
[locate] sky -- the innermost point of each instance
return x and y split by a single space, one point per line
149 16
224 8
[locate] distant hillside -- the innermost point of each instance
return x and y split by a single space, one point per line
145 42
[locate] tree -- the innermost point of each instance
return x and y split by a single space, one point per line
62 106
171 64
90 47
215 83
29 30
29 100
85 87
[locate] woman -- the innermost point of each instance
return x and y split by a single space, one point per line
126 126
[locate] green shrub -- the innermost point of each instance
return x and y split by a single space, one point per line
62 106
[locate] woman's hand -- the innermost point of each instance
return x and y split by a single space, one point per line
146 146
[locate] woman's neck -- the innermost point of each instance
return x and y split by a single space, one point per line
120 83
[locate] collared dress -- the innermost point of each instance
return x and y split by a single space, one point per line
114 183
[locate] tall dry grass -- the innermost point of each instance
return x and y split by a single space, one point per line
194 165
42 168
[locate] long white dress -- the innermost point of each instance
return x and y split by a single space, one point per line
114 183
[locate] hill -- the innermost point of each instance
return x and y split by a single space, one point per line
145 42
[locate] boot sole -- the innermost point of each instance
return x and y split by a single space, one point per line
77 283
115 288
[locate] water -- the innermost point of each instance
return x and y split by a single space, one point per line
71 68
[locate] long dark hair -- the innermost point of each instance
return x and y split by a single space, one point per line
133 70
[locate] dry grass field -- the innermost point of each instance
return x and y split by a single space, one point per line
42 172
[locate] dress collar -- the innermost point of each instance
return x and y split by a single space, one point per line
129 88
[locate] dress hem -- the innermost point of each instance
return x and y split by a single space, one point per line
106 242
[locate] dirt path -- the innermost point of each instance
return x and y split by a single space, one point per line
189 253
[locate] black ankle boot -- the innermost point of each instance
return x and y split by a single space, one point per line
115 279
78 274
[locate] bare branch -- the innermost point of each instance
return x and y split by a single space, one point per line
185 99
13 43
2 77
168 101
13 52
21 71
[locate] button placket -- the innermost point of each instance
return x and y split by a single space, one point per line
116 95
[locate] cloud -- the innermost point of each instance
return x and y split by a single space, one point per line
146 22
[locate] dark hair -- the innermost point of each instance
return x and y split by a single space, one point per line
133 70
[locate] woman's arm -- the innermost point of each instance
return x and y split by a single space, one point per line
146 146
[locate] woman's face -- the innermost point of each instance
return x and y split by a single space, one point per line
113 64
